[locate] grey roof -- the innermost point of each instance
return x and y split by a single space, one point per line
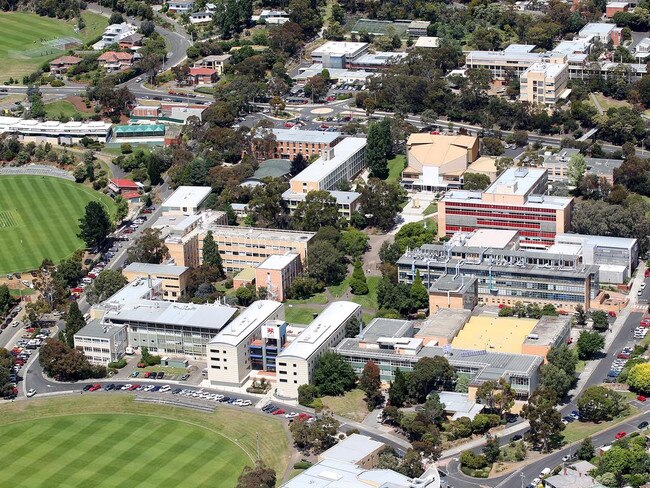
156 269
95 329
211 316
353 449
343 151
381 327
306 136
548 330
246 322
446 322
450 283
273 168
342 197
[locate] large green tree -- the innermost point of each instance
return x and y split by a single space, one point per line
326 263
380 202
639 378
429 373
74 322
95 225
545 421
398 390
598 403
358 283
319 209
148 248
211 256
589 344
379 148
576 169
259 476
107 283
419 294
333 375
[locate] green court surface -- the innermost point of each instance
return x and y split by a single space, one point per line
39 218
111 450
28 40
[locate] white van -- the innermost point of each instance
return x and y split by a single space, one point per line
545 472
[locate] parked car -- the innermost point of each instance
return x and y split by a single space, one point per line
185 377
642 425
96 387
31 392
160 375
620 435
87 387
641 398
279 412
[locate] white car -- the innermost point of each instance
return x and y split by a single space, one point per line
536 482
566 458
31 392
165 388
291 415
643 286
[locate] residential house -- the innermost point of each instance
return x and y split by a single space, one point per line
115 60
180 6
201 17
132 41
202 76
216 62
60 66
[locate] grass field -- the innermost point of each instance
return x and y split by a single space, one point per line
39 218
299 315
54 110
395 167
108 440
22 35
351 405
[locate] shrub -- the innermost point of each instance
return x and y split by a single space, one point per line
473 461
302 465
117 364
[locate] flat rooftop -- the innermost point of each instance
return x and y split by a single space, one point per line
246 322
603 241
260 233
489 332
548 329
306 136
96 330
516 181
494 238
138 289
320 329
459 404
533 201
342 197
320 168
187 196
550 70
380 327
445 322
596 28
209 316
156 269
453 284
279 261
340 48
352 449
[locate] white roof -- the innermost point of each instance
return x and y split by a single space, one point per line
340 48
518 181
320 168
495 238
136 290
246 322
353 449
307 136
52 127
342 197
209 316
187 196
425 41
617 4
550 70
278 261
321 328
596 28
156 269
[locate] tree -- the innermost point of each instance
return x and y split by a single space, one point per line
148 248
319 209
576 169
491 450
354 242
419 294
315 436
260 476
74 322
353 327
211 256
492 146
147 28
298 163
581 315
545 421
121 208
316 88
411 465
6 301
379 148
462 385
107 283
398 390
304 287
600 319
498 396
370 383
94 225
589 343
380 202
639 378
554 377
586 450
473 461
563 358
358 283
334 375
598 403
475 181
429 373
326 263
67 364
307 394
245 296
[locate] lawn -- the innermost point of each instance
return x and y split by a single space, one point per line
431 208
577 431
350 405
54 110
366 301
39 218
21 293
395 167
299 315
107 440
22 35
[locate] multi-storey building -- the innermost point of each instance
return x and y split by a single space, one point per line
347 202
186 200
288 143
344 162
101 343
173 278
276 274
515 201
557 165
296 363
544 83
240 247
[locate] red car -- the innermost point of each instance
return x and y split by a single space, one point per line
147 374
304 416
623 355
331 99
563 312
647 273
612 313
96 387
289 125
641 398
133 387
324 126
620 435
279 412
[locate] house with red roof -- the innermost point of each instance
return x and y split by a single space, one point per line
115 60
202 76
60 66
122 186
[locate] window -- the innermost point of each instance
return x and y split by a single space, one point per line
283 380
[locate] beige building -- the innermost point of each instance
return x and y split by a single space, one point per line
343 162
174 278
484 165
437 161
544 83
296 363
229 358
356 449
288 143
240 247
216 62
460 292
276 274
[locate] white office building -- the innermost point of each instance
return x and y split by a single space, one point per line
544 83
53 131
101 343
186 200
296 363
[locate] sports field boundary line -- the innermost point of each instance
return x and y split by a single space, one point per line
164 417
